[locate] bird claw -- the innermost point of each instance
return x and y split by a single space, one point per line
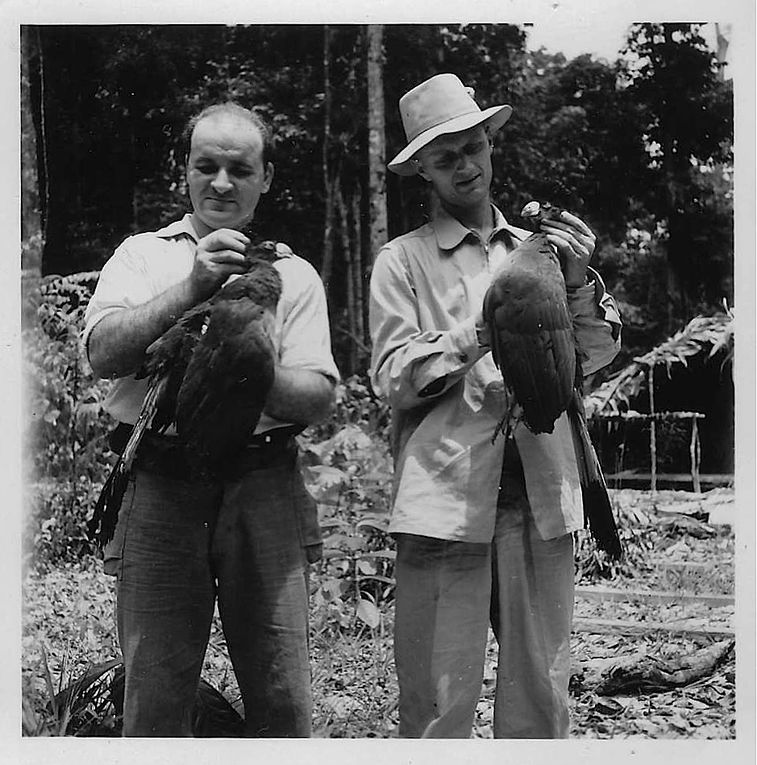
506 426
501 427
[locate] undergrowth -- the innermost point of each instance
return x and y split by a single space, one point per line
71 659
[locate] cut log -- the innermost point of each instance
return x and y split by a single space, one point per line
642 673
679 523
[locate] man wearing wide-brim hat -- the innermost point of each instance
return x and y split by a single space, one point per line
476 523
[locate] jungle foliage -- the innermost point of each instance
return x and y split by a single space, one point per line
640 147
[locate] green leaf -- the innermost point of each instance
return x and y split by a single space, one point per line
334 588
51 416
335 540
378 522
325 475
368 613
387 554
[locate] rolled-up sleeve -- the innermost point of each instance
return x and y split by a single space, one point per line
409 366
305 341
596 320
123 283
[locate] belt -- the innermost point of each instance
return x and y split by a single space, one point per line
166 455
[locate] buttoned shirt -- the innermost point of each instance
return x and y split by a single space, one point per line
146 265
446 394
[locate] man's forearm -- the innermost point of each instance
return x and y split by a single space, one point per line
300 395
117 344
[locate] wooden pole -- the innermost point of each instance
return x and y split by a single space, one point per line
652 430
695 454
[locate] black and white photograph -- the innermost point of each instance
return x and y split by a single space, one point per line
374 375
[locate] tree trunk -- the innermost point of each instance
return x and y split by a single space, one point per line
376 140
676 180
357 274
344 227
722 32
329 179
32 236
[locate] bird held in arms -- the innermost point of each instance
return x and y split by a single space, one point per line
209 375
534 346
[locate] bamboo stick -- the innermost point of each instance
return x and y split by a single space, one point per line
652 430
695 454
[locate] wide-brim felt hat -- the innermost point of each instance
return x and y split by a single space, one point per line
440 105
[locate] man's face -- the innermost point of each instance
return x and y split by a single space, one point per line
225 172
459 166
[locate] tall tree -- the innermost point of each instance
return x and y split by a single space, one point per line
329 179
376 139
689 125
31 219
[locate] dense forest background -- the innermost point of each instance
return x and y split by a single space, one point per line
640 147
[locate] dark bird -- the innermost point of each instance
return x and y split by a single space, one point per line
209 375
534 346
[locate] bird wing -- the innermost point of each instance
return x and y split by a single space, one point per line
210 373
231 371
536 349
532 333
226 383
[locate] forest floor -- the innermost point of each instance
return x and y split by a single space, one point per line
676 600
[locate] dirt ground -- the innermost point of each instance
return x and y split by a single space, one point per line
68 612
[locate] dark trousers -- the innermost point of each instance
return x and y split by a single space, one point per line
179 546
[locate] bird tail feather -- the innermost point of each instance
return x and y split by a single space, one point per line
598 510
102 525
146 414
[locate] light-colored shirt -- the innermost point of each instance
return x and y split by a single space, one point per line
447 395
145 265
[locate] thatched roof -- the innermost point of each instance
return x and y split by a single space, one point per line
704 334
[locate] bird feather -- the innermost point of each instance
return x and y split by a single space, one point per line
535 349
209 375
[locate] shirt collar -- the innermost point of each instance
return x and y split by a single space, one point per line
450 233
177 228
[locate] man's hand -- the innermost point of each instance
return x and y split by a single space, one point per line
219 255
575 245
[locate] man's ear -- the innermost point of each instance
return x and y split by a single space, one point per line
268 177
423 174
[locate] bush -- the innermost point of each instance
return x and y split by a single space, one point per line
65 426
356 404
348 469
56 527
66 432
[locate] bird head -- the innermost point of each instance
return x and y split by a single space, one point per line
261 284
261 251
535 212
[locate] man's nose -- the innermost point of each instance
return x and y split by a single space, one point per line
221 183
463 162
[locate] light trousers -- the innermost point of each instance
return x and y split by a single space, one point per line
443 610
